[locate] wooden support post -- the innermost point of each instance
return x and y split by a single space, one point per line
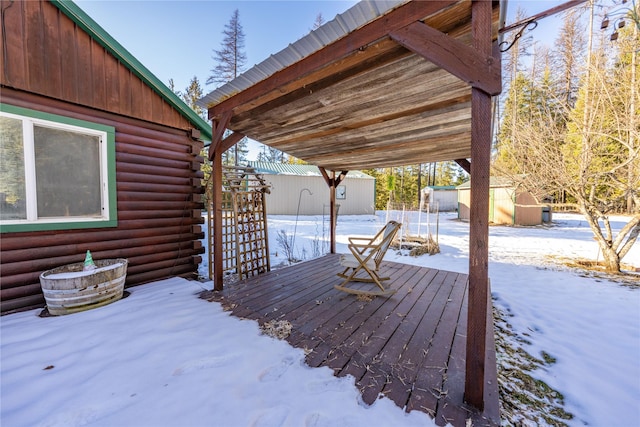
332 182
216 177
332 208
215 155
479 222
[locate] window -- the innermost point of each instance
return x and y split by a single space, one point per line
55 172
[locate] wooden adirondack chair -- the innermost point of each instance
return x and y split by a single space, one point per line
366 256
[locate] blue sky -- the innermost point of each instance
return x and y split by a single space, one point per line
176 39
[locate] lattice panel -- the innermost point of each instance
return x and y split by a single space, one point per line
251 233
245 248
228 233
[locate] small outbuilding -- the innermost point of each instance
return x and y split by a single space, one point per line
509 203
442 197
302 189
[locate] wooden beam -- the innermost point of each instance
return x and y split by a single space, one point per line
325 175
332 216
541 15
464 164
341 177
479 217
218 126
469 65
230 141
354 41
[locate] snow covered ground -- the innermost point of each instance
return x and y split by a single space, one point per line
163 357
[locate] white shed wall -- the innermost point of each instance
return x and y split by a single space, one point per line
287 190
447 200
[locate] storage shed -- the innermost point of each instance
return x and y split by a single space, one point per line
97 154
303 186
445 197
508 203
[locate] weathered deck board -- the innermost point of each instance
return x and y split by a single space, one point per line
409 347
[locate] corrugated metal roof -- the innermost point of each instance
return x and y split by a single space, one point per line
269 168
356 17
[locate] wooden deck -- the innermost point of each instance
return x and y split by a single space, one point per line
409 347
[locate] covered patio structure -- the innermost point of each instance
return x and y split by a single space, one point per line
384 84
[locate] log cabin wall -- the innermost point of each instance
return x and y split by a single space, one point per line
53 66
47 53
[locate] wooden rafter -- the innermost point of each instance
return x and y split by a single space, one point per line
469 65
464 164
218 126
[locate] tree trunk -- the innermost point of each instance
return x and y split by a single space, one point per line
633 118
605 243
611 259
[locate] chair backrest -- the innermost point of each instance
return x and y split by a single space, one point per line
390 231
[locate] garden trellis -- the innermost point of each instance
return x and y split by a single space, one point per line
245 246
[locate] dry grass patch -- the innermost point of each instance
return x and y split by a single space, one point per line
524 399
280 329
418 246
629 276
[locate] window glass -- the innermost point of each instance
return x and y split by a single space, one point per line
12 175
56 172
67 168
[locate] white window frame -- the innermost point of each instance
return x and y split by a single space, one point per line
106 134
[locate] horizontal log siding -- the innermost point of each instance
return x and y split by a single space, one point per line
159 228
48 54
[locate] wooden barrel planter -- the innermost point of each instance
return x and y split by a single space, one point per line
69 289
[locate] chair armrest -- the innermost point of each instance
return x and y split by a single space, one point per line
361 239
362 245
361 248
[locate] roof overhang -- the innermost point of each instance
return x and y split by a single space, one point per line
392 87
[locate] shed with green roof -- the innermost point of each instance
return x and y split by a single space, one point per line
291 185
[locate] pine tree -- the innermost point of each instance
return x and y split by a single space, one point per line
626 68
516 110
231 60
568 56
192 94
273 155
